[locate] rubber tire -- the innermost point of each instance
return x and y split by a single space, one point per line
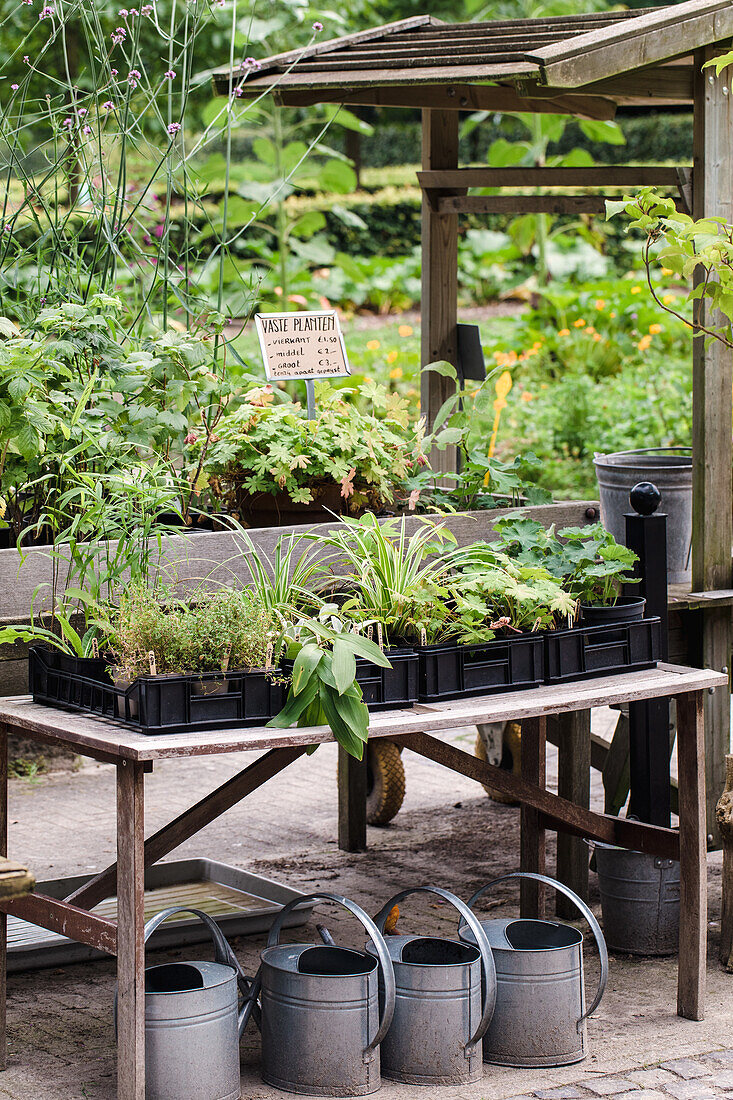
386 781
511 759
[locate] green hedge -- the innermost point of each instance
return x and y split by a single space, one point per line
649 137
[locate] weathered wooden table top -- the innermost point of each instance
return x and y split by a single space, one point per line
105 739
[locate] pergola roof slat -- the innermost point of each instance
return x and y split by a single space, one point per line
558 53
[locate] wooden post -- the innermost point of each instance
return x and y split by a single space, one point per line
712 414
693 857
130 925
724 814
439 275
352 786
532 834
573 783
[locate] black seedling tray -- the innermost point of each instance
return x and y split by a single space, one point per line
158 704
587 651
383 688
450 671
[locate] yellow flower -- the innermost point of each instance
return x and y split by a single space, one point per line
590 330
396 373
668 299
405 330
391 356
636 290
564 332
411 392
600 303
597 336
527 396
612 314
580 323
644 343
373 345
667 271
655 329
537 345
368 378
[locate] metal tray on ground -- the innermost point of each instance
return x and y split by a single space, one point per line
241 903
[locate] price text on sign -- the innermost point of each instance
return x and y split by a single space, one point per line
302 345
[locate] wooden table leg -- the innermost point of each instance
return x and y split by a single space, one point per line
352 788
693 857
574 784
3 916
130 924
532 839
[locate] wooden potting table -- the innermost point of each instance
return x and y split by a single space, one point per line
416 729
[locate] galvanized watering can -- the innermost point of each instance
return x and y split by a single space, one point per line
441 1012
540 997
321 1022
193 1022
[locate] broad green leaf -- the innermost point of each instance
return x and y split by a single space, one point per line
305 665
343 666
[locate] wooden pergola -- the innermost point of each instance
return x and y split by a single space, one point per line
581 65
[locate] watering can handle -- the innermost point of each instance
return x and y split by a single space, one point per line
380 946
223 954
594 925
487 958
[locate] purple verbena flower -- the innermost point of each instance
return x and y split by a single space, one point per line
133 77
108 105
87 130
14 87
82 111
317 27
48 12
68 122
123 13
170 74
174 128
146 9
114 72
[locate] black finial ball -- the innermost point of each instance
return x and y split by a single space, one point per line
645 498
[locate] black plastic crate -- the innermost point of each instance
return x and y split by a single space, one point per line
587 651
450 671
383 688
160 704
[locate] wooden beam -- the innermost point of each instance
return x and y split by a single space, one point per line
452 97
352 795
671 83
522 204
574 757
130 925
67 920
557 812
655 36
531 828
611 175
712 410
693 858
371 78
439 300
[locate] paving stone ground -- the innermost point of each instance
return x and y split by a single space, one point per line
61 1035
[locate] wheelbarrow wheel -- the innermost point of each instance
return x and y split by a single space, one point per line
511 758
385 781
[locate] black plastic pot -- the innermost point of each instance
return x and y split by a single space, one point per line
384 687
588 651
160 704
627 609
449 671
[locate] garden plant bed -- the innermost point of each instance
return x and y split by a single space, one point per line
158 704
587 651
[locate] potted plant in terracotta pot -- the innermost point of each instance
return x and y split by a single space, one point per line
270 465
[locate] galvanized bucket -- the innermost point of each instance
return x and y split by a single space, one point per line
540 997
441 1010
192 1022
670 469
321 1025
640 900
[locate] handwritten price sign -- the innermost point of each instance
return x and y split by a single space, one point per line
302 345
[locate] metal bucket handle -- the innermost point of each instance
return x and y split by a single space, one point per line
223 954
487 958
594 925
375 935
